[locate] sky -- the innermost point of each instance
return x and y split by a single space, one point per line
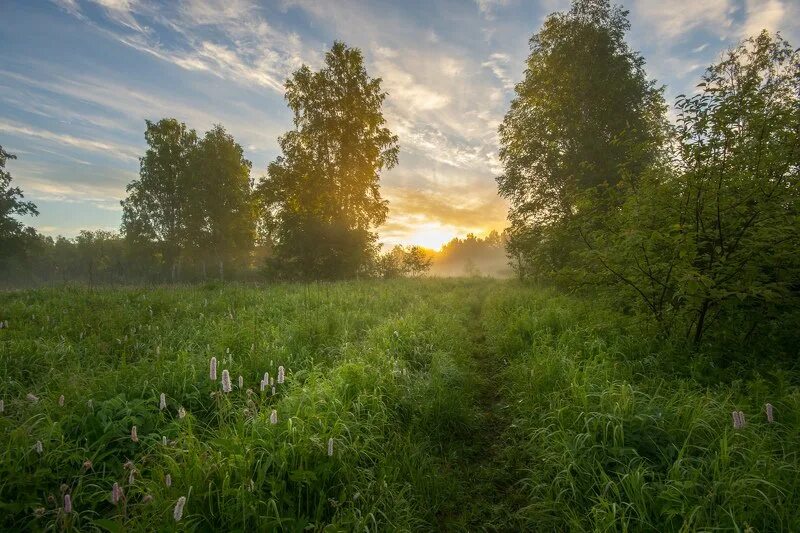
78 78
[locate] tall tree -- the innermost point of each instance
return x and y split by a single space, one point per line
585 117
221 214
321 198
155 210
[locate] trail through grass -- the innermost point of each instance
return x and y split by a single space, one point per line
457 405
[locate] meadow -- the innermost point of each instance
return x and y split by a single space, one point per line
411 404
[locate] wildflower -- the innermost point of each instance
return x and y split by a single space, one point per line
3 404
131 476
271 382
164 440
87 464
90 404
128 464
179 508
67 504
741 419
281 375
32 397
181 412
273 417
266 377
61 401
38 512
241 382
263 386
736 423
273 391
770 414
38 447
134 434
330 447
168 480
147 498
162 402
226 381
213 370
116 493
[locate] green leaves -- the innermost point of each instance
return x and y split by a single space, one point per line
321 198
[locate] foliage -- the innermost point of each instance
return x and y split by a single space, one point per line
155 209
15 237
321 197
584 117
193 201
713 239
404 261
221 210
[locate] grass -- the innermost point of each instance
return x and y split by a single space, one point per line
452 405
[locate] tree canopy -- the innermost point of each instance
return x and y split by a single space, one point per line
321 199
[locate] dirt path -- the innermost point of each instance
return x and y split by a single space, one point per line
483 501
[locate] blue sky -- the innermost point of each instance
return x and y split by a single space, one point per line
79 77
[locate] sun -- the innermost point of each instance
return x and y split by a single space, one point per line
432 236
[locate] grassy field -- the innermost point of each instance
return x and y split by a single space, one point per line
407 405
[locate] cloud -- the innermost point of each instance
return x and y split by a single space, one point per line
679 17
764 14
498 64
108 148
487 7
408 93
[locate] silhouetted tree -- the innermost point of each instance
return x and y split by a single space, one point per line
14 235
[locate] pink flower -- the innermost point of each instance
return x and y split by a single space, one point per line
226 381
67 504
178 513
330 447
281 375
116 493
134 434
213 369
61 401
168 480
162 402
273 417
770 413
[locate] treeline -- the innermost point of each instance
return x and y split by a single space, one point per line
693 225
194 213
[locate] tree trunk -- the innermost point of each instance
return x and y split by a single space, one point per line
701 319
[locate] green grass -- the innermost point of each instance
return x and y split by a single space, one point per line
452 404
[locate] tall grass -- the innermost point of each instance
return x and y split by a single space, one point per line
607 431
407 405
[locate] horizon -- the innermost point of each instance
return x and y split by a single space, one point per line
81 77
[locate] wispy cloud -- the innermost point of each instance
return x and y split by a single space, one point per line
107 148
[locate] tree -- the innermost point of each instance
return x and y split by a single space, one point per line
417 260
585 118
220 212
321 198
713 238
14 235
391 264
155 210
